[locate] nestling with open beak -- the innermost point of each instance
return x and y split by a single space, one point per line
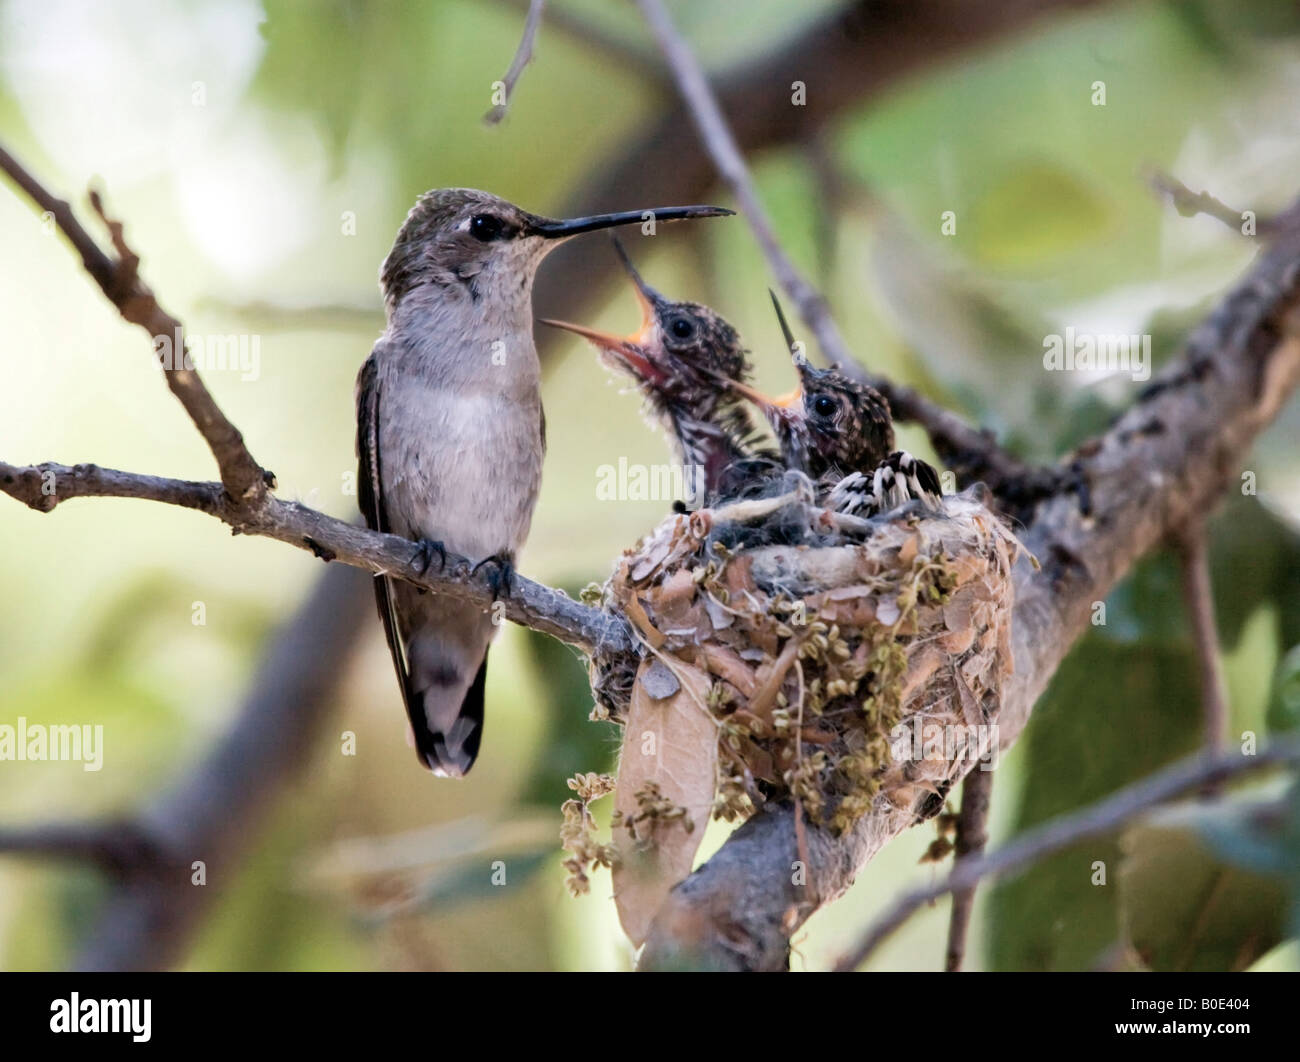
840 433
450 435
683 359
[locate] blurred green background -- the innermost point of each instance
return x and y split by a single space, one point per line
236 139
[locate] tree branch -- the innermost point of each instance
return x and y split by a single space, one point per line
972 836
1100 818
1193 549
553 612
603 43
118 847
118 279
523 55
1189 203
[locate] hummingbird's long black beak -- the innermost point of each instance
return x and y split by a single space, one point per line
551 229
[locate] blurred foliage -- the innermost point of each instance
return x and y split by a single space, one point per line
1125 702
1112 714
1210 887
314 111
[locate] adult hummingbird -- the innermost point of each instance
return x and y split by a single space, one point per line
840 433
451 435
683 359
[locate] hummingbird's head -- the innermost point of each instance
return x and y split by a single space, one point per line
683 355
460 236
830 423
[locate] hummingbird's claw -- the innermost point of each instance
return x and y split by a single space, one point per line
425 550
502 578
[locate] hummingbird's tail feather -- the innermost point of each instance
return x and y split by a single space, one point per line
442 684
443 648
456 749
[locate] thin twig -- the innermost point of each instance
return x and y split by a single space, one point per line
523 55
965 448
244 479
1095 820
1189 203
1192 547
972 836
605 44
120 847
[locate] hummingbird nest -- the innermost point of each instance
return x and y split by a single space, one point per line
794 653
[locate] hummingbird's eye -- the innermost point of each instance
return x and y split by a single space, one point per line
486 227
824 406
682 327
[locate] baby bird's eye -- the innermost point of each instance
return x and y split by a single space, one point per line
681 327
824 406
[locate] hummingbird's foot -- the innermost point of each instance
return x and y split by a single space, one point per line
425 550
502 577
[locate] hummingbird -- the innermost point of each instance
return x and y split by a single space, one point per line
683 360
451 435
840 433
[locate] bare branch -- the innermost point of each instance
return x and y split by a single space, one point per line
1189 203
972 836
241 475
974 453
42 487
523 55
607 45
1098 819
119 847
1192 547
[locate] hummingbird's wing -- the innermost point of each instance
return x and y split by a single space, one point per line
370 497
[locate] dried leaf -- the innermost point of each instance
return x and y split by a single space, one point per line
637 614
772 678
739 575
726 664
669 746
676 587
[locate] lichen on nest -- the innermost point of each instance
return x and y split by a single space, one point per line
786 647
